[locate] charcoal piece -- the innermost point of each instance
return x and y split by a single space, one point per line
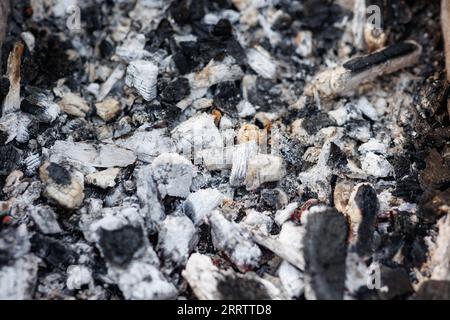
358 65
176 90
59 174
232 288
119 246
4 86
56 253
186 59
397 282
106 48
227 96
9 158
325 245
337 158
366 201
223 29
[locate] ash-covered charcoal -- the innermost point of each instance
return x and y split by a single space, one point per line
176 239
224 149
325 246
142 75
229 238
362 210
173 174
199 204
211 283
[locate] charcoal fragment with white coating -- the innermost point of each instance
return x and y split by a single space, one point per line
173 174
234 241
325 246
142 75
357 70
176 239
198 205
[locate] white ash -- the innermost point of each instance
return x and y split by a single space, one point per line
234 241
264 168
245 109
103 179
15 125
18 281
132 48
176 239
292 280
196 134
142 75
147 193
102 91
374 146
376 165
208 282
45 219
281 216
288 245
173 174
78 276
261 62
261 221
143 281
95 155
240 161
147 145
214 73
198 205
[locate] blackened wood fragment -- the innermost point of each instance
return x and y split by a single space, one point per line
325 247
364 63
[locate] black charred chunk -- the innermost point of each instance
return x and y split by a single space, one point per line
397 281
176 90
227 96
364 63
119 246
337 158
106 48
408 189
186 58
237 288
325 251
367 202
9 158
59 174
56 253
29 107
4 86
223 29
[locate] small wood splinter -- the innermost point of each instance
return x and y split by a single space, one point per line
355 71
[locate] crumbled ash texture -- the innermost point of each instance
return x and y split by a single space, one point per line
199 149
